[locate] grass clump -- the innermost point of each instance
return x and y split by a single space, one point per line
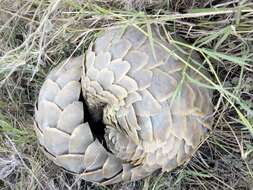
36 35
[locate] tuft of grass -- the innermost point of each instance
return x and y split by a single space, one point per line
36 35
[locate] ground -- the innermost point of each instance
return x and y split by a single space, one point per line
35 35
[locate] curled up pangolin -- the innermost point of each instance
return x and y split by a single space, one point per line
123 110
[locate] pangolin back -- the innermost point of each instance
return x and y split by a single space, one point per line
154 117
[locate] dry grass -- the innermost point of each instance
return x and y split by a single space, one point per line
36 34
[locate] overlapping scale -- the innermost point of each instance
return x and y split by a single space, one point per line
154 103
160 91
61 130
136 59
155 118
71 91
134 36
56 141
73 74
71 162
71 117
143 78
120 48
95 156
48 91
161 124
119 69
112 166
80 139
148 106
48 114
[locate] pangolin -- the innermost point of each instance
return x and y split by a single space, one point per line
124 109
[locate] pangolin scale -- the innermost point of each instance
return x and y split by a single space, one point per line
154 117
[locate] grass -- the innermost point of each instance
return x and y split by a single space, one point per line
36 35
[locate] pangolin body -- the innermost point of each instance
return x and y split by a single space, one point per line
154 117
